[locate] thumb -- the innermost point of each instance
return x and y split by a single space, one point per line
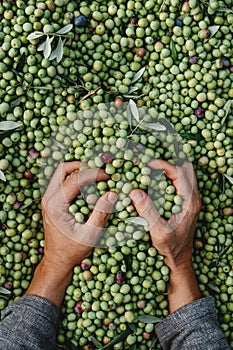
145 208
102 210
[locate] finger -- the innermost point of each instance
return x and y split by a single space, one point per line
169 169
174 173
145 208
70 188
62 171
92 228
191 176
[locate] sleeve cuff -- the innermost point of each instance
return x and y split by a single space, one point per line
192 324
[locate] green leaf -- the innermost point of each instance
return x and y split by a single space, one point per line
53 54
16 102
133 327
148 319
58 51
134 96
154 126
134 109
42 87
60 47
213 30
168 126
65 29
226 108
117 339
173 50
129 115
35 35
224 9
132 89
47 47
137 220
2 176
27 204
138 75
21 62
154 342
41 46
4 291
213 286
163 4
9 125
229 178
191 136
97 344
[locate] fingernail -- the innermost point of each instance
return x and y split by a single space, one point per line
137 197
112 197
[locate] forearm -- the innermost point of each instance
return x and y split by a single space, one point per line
29 323
182 287
50 282
192 323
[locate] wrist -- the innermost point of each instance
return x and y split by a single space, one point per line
182 286
50 282
181 263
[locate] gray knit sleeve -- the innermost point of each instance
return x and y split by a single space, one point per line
30 323
194 326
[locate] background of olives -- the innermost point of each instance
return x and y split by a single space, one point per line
186 50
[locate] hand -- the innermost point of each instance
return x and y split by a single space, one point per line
173 238
68 242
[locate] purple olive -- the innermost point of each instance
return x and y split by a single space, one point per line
120 277
199 112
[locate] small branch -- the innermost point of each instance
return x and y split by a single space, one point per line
92 92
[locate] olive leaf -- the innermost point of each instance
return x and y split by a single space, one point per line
60 47
65 29
137 220
134 109
46 45
173 50
97 344
226 108
133 96
2 176
163 4
16 102
224 9
138 75
29 202
129 116
35 35
132 89
213 30
229 178
117 339
21 62
154 126
58 51
133 327
213 286
154 342
148 319
9 125
48 48
4 291
41 46
191 136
